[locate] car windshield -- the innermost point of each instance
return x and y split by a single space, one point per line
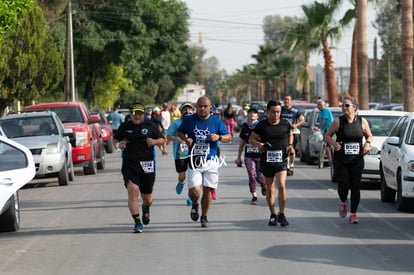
65 113
29 126
381 125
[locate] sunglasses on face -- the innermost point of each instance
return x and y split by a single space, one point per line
347 105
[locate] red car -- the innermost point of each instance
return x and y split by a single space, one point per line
87 145
106 131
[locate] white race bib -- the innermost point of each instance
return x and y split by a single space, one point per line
351 148
183 148
274 156
147 166
251 149
201 149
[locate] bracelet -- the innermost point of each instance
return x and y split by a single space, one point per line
220 137
290 144
367 141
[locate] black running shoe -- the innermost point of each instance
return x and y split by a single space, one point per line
145 214
194 212
273 220
254 200
282 219
138 227
204 222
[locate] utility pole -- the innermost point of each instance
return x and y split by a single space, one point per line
70 72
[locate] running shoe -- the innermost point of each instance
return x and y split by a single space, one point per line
214 194
145 214
204 222
194 212
138 227
273 220
264 190
189 202
343 209
254 200
281 218
179 188
290 171
353 219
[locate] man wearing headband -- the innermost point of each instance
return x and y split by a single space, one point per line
180 148
137 139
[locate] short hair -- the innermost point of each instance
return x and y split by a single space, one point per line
352 99
272 103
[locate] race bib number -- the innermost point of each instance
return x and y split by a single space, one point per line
351 148
201 149
147 166
251 149
183 148
274 156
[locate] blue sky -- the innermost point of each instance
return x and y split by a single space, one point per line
232 29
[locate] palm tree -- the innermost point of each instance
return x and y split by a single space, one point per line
407 53
322 26
362 54
298 40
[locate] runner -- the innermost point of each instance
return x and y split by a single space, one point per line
202 131
180 148
274 139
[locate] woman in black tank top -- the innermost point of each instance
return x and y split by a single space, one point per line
348 160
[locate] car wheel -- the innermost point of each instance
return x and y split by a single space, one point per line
71 170
10 219
403 204
387 194
63 175
101 163
91 169
110 146
308 158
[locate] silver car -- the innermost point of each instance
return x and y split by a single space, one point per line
43 133
310 140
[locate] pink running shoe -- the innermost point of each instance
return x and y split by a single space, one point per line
343 209
353 219
214 194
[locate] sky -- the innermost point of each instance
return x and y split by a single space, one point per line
232 29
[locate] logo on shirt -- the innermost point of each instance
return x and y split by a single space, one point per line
144 131
201 135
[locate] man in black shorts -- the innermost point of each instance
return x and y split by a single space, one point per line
274 139
296 119
137 139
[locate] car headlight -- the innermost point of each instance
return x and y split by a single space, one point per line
374 151
81 138
52 148
410 166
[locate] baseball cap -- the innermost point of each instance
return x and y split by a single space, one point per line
156 109
137 107
186 104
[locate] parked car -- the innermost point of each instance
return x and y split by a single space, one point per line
106 131
87 145
380 124
309 143
16 169
397 164
43 133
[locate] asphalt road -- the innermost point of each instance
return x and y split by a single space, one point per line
85 228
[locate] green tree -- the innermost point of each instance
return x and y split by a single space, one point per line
10 10
30 64
148 38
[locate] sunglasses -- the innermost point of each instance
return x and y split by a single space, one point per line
347 105
137 113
